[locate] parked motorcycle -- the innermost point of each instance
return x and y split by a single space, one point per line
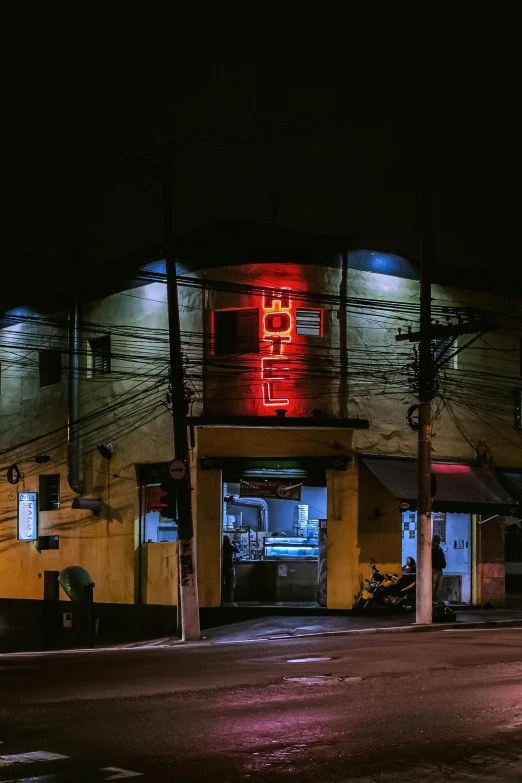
387 589
392 590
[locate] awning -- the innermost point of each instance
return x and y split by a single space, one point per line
460 488
512 481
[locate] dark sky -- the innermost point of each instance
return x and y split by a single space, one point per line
338 119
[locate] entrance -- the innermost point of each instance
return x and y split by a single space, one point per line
276 520
455 541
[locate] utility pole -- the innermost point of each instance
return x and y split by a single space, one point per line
427 370
188 588
424 576
188 604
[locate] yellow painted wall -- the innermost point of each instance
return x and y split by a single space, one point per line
160 573
341 542
208 536
380 525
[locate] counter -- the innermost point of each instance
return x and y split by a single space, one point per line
285 580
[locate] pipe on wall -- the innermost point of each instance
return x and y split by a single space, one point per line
258 503
73 434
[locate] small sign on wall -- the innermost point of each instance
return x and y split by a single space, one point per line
27 516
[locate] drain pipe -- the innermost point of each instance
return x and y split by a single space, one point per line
73 435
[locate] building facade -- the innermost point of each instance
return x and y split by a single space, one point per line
297 395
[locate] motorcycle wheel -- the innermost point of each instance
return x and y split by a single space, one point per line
361 604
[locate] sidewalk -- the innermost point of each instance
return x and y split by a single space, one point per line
290 626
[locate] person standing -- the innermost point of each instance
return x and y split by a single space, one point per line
229 574
438 563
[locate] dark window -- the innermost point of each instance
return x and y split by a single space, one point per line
50 367
236 331
49 542
49 495
101 355
308 321
518 409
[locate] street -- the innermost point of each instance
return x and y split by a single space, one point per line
433 706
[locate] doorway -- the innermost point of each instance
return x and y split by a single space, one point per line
455 541
277 535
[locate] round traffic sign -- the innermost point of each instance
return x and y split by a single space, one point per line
177 469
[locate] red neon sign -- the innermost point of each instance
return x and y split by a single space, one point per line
277 327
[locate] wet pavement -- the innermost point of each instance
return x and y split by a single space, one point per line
443 706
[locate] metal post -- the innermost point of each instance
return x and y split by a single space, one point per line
188 591
424 576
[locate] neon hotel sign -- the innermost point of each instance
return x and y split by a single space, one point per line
277 325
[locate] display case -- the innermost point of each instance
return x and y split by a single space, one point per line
290 547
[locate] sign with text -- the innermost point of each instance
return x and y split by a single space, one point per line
27 516
270 488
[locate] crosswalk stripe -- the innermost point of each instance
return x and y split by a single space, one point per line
29 758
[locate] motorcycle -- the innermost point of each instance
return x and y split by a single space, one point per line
387 589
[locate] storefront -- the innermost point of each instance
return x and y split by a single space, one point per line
288 503
466 498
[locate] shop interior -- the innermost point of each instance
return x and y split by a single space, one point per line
278 542
455 541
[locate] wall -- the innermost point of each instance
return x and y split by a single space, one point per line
380 522
490 569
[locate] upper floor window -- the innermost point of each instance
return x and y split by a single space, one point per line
236 331
308 321
101 354
49 492
50 364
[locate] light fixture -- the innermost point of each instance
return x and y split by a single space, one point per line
105 450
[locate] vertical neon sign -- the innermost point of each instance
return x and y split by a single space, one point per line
277 327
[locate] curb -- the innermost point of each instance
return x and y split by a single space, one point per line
164 644
413 628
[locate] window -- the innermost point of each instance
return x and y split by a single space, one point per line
49 542
518 409
236 331
50 367
101 355
49 495
157 527
308 321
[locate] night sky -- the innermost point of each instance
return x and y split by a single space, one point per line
329 123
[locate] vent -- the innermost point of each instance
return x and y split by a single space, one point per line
308 321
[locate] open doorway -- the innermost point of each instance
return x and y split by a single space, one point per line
278 540
455 540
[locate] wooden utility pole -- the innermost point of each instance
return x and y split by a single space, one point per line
424 576
188 588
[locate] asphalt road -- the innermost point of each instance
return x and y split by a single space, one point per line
434 706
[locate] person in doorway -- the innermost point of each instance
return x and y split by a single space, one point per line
229 575
410 567
438 563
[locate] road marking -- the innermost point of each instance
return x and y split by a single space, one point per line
122 773
307 660
29 758
39 779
